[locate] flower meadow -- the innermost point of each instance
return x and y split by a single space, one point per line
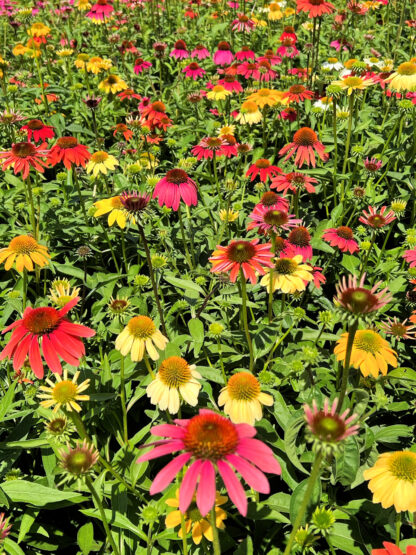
208 277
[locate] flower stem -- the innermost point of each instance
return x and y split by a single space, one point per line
184 538
347 144
245 321
316 467
271 280
81 200
224 377
185 244
102 515
123 248
24 288
152 277
215 537
123 400
32 206
149 368
398 526
345 372
370 248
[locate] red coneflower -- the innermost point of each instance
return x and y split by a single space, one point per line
249 70
271 218
299 242
288 32
305 144
293 181
121 128
140 65
194 70
59 337
298 93
353 297
270 57
24 156
154 112
315 8
230 148
180 51
375 219
38 130
264 168
318 276
100 10
247 255
341 237
207 146
176 185
69 151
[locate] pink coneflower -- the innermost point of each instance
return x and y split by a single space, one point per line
372 165
314 8
200 52
289 114
341 237
100 10
230 147
249 70
23 156
266 71
180 51
245 54
194 70
38 130
288 33
140 65
176 185
59 338
299 242
207 147
342 43
318 276
223 56
410 257
398 329
245 255
355 298
211 442
326 425
271 218
375 219
5 527
270 198
293 182
271 57
305 143
242 23
287 49
264 168
231 84
298 93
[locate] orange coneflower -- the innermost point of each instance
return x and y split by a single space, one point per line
305 143
25 251
24 156
315 8
68 151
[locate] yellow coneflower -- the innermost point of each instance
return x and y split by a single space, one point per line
249 113
81 61
274 12
64 393
25 251
229 215
38 30
218 93
62 292
404 78
289 275
115 210
100 162
268 97
19 50
138 336
112 84
95 65
353 83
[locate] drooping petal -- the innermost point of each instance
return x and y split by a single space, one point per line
252 475
205 496
168 473
188 485
234 487
165 449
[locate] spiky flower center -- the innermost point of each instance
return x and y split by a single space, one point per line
141 327
403 465
193 66
327 427
276 217
285 266
359 300
296 178
353 81
180 45
99 157
377 220
262 163
264 93
218 89
223 45
264 66
158 106
112 80
317 2
305 137
57 426
41 320
368 341
269 198
214 143
243 386
288 42
274 7
35 124
23 150
23 244
134 202
241 251
243 18
67 142
64 392
174 372
407 68
193 513
297 89
121 128
398 329
333 60
79 460
176 176
249 107
299 237
345 232
210 436
118 306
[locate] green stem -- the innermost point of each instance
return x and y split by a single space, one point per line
398 526
271 280
24 288
149 368
123 249
123 401
245 321
334 132
347 144
224 377
81 200
278 342
316 467
184 538
97 500
370 248
185 244
345 371
107 238
28 184
215 537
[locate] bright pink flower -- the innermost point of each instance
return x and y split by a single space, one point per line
211 443
328 426
299 242
176 185
194 70
305 144
230 147
245 54
357 299
376 219
293 181
245 255
264 168
180 51
270 198
223 56
200 52
271 218
249 70
231 84
341 237
391 549
100 10
372 165
288 33
59 338
410 257
140 65
271 57
207 147
342 43
288 49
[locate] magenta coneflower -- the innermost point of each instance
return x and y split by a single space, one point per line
140 65
245 54
242 23
266 71
341 237
375 219
200 52
249 70
326 425
207 147
305 144
194 70
288 32
211 443
293 181
270 198
231 84
287 49
100 10
355 298
176 185
245 255
398 329
271 218
264 168
223 56
299 242
410 257
372 165
271 57
180 51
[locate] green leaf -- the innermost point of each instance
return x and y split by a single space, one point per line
85 538
298 496
402 373
347 463
391 434
350 263
196 329
69 270
182 283
22 491
28 519
116 519
7 401
341 538
291 434
24 444
12 548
